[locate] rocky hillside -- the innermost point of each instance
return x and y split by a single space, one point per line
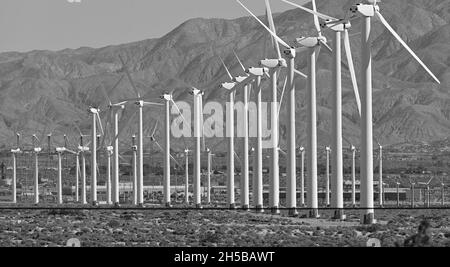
44 91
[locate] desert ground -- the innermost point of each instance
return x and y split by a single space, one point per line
212 228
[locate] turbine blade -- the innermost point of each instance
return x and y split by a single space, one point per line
100 123
327 47
395 34
129 77
282 96
320 15
226 69
152 104
155 128
262 24
124 127
348 52
272 27
316 18
239 60
179 112
301 74
202 124
105 94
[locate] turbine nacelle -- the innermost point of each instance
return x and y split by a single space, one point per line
239 79
367 10
339 27
14 151
310 42
196 91
37 149
83 149
61 149
257 71
273 63
228 86
139 103
94 110
290 53
167 97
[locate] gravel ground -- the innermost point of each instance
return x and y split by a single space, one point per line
211 228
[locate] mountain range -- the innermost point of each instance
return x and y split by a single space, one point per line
49 91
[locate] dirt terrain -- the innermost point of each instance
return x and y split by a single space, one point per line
210 228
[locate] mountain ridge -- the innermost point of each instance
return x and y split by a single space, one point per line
37 87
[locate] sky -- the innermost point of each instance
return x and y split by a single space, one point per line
27 25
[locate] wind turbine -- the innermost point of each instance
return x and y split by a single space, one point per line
14 153
397 184
115 109
380 169
134 148
186 169
338 26
166 150
210 155
412 193
59 152
36 149
442 192
290 54
140 103
353 150
95 119
230 137
428 191
313 44
198 134
234 81
82 150
274 65
302 177
367 10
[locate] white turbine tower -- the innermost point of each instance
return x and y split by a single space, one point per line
442 192
327 176
412 194
14 153
353 149
397 183
427 197
186 181
95 119
368 10
302 177
36 150
198 133
230 137
208 181
134 148
59 184
380 180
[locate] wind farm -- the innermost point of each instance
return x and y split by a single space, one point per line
259 117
